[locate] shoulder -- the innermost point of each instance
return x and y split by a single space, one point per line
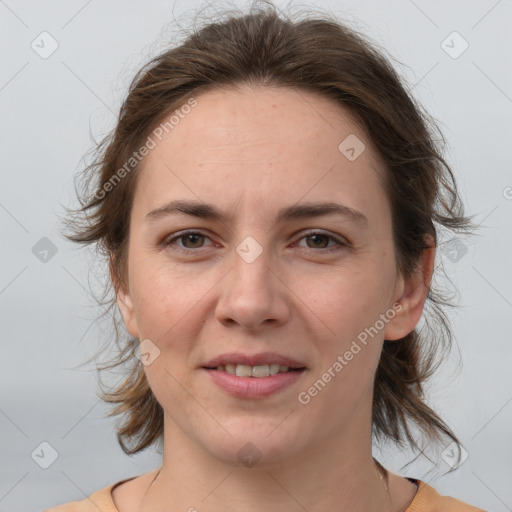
98 500
72 506
427 499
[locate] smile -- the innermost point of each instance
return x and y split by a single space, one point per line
253 382
258 371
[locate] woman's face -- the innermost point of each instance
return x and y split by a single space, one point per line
318 289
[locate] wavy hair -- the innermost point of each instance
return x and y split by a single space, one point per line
319 54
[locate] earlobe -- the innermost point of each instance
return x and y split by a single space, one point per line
125 304
414 293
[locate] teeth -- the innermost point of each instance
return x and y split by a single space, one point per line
274 368
243 370
230 368
261 370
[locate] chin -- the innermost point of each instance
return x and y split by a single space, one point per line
264 445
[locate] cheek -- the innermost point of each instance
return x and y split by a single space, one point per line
347 300
170 302
166 309
162 294
348 311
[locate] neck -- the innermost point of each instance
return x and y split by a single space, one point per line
333 475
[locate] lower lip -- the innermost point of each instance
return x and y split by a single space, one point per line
254 387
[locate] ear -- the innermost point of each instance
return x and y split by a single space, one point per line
412 294
125 303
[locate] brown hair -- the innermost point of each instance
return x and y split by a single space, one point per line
315 54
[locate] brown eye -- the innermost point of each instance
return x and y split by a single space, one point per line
190 241
194 239
319 240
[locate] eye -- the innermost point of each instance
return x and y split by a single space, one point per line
193 238
319 238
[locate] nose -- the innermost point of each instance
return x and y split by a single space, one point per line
253 294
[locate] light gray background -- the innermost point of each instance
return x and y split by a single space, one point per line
49 106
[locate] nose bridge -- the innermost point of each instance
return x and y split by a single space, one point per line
251 262
252 253
252 293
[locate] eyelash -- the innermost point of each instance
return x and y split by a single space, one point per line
344 246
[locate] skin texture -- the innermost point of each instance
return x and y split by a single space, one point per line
251 152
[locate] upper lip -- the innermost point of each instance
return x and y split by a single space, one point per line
253 360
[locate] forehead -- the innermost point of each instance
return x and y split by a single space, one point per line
238 119
263 146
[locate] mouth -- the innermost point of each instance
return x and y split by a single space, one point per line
254 382
254 376
257 371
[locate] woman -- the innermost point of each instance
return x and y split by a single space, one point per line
268 204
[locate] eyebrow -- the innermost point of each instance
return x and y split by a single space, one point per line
298 211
